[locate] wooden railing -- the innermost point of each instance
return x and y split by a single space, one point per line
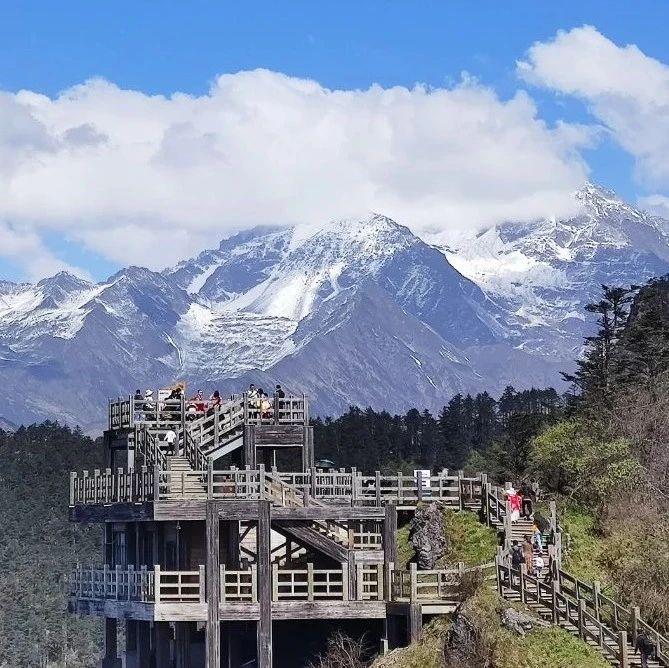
126 412
583 606
285 489
415 585
147 586
310 584
239 585
107 486
147 448
179 586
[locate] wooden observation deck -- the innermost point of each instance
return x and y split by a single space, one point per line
214 531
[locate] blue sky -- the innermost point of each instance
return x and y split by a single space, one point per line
164 47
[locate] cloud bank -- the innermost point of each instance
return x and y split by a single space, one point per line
626 91
147 179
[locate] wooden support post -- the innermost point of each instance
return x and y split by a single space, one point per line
523 571
213 586
415 622
312 481
596 593
390 533
162 636
413 580
634 624
354 484
623 657
581 619
143 644
390 631
461 496
111 659
182 633
263 549
307 448
352 591
555 610
250 458
131 659
377 488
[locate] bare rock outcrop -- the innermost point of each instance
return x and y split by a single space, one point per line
427 535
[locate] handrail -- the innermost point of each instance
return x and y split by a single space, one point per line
143 585
582 604
312 487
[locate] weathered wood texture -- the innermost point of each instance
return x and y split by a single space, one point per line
213 631
264 547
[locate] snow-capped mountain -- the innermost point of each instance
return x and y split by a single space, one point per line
356 311
544 273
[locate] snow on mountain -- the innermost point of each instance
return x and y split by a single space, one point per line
543 273
354 311
239 263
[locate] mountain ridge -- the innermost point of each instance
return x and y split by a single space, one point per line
323 310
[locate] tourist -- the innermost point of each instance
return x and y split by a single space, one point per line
149 405
528 554
539 565
526 494
199 402
517 558
171 440
514 502
644 645
138 399
537 538
215 399
253 403
265 405
279 393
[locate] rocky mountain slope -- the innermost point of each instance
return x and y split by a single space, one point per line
356 311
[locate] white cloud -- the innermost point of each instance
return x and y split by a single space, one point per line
26 249
626 90
148 179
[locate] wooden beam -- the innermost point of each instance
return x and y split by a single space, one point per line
328 513
115 512
110 659
390 533
415 623
162 643
213 632
307 448
250 446
263 549
143 644
305 535
182 633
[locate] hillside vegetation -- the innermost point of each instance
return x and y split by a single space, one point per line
39 546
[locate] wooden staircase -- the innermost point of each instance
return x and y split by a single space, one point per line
567 602
179 481
606 641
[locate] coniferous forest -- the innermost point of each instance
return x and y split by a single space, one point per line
601 450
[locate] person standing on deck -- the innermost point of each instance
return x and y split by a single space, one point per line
215 399
528 554
171 440
644 645
279 393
